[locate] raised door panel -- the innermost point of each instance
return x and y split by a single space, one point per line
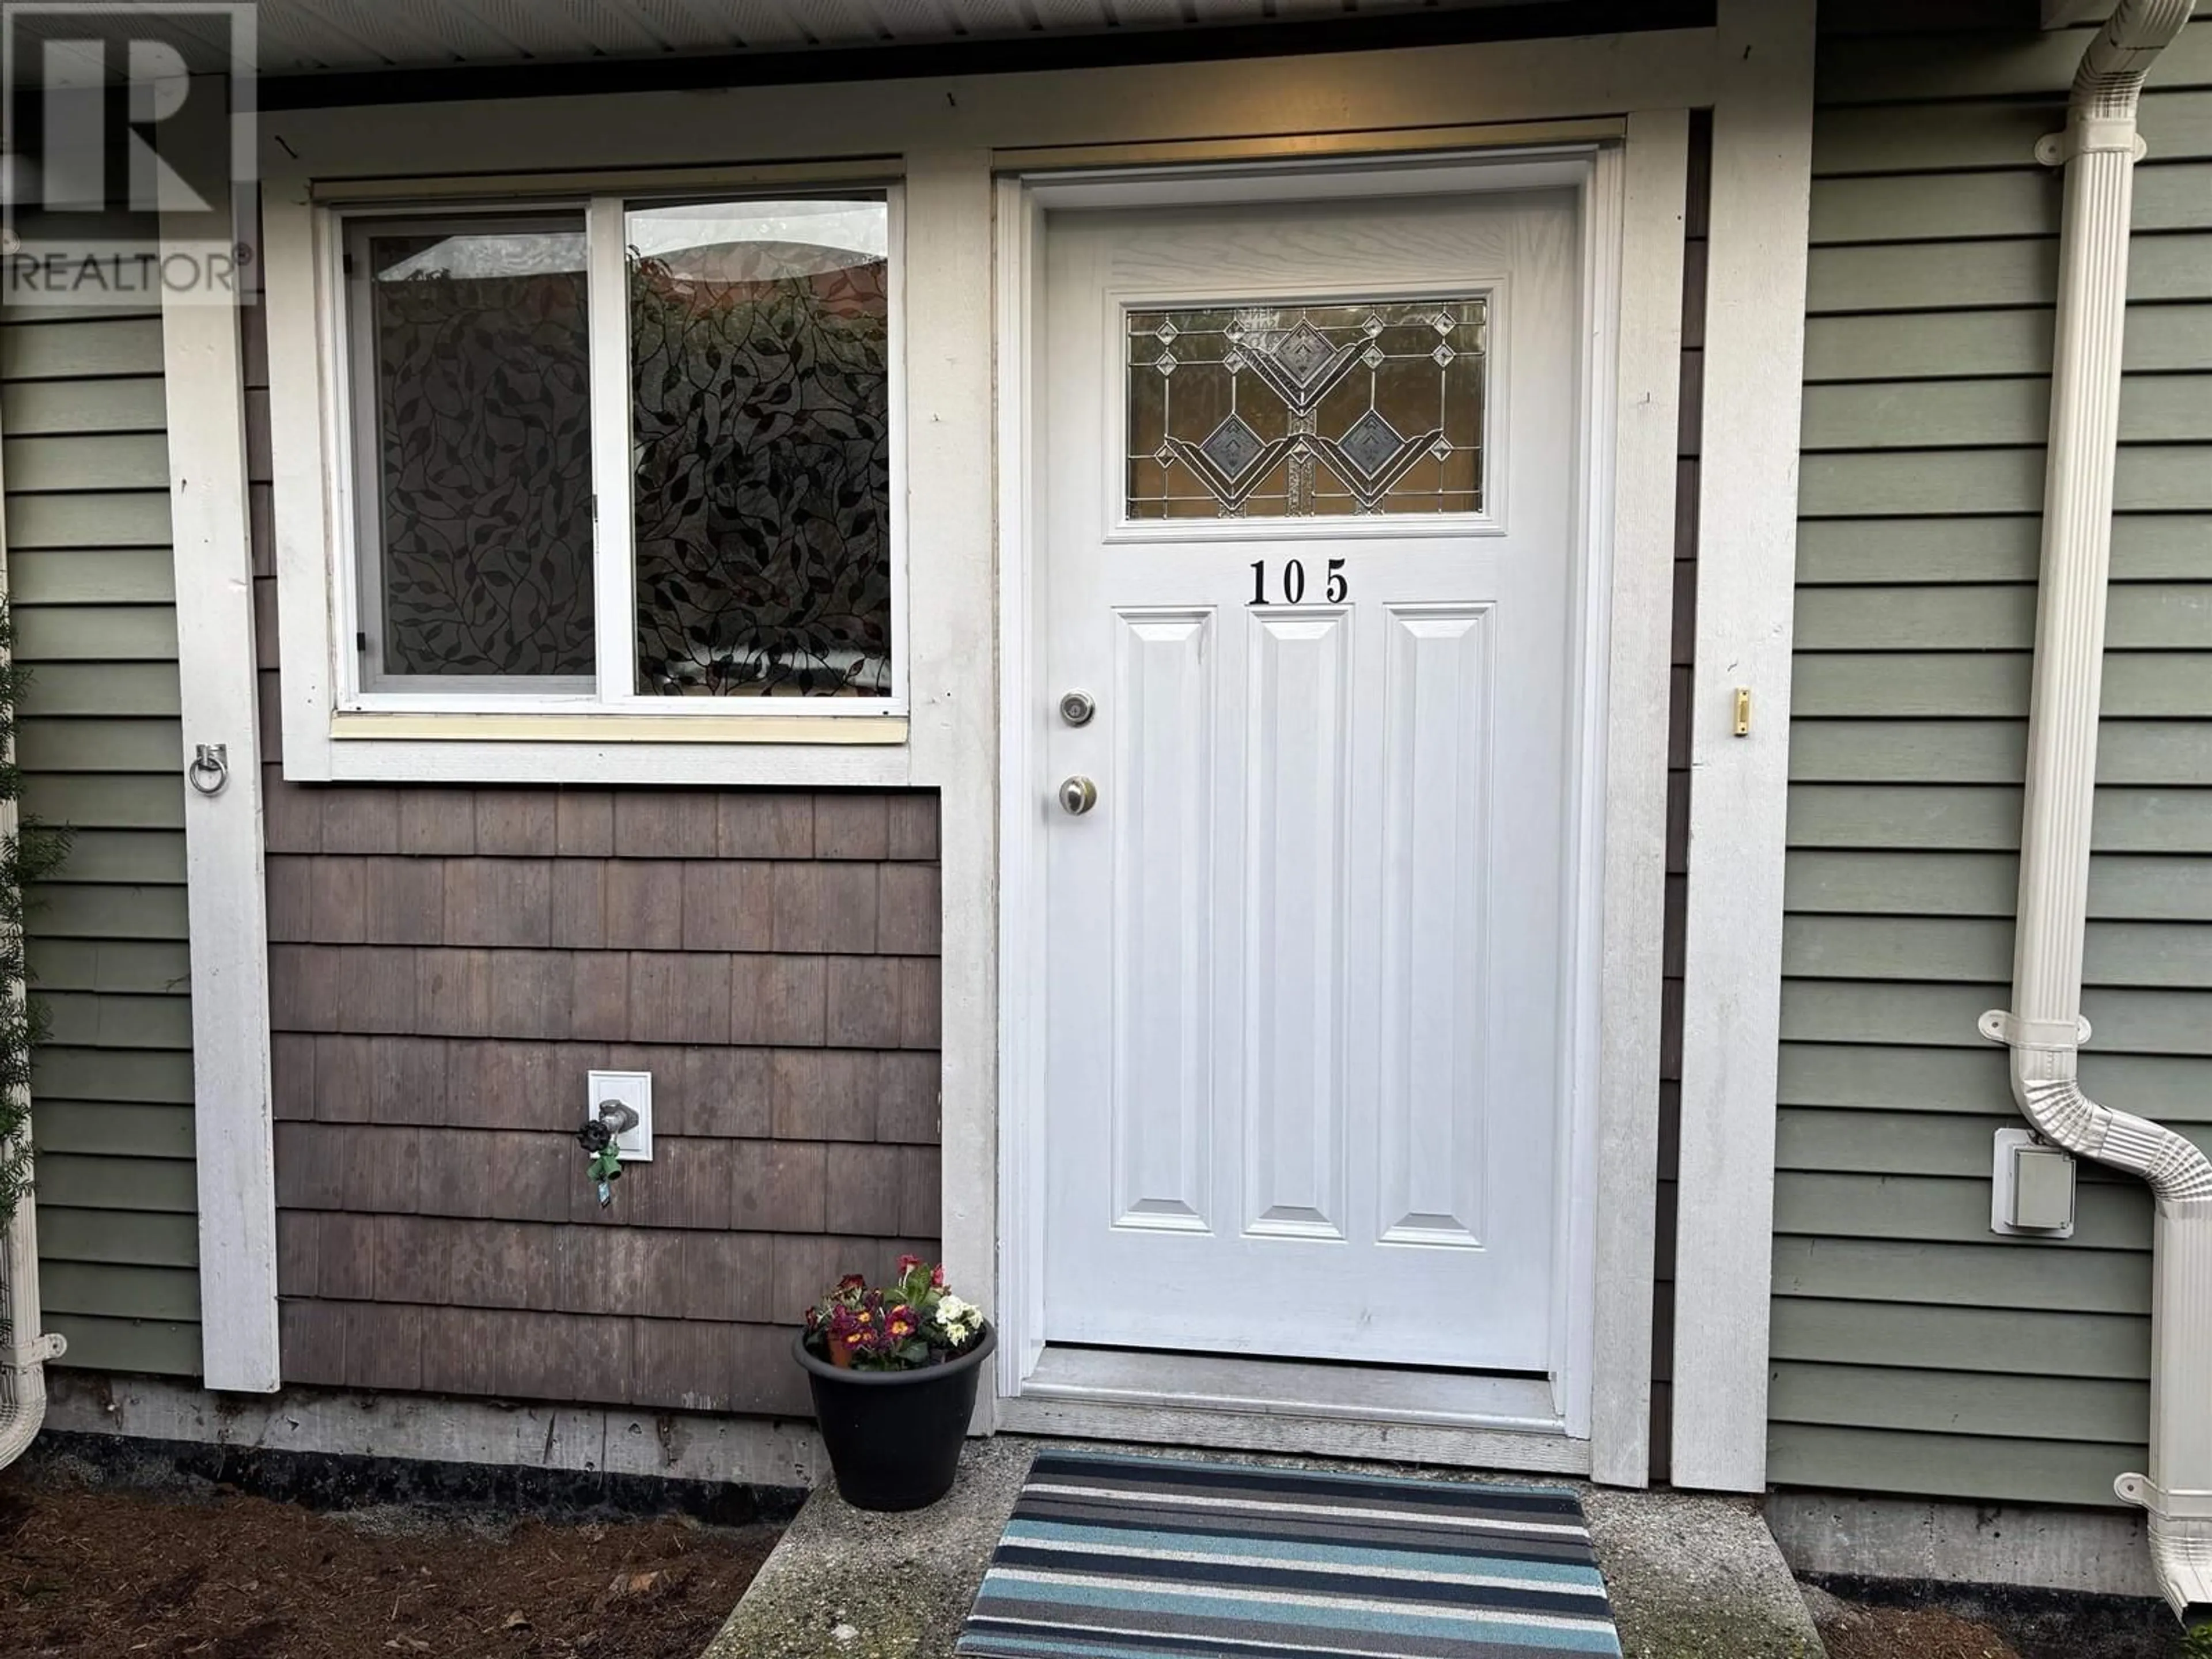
1433 1097
1163 819
1296 761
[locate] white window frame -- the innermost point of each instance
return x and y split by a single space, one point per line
339 725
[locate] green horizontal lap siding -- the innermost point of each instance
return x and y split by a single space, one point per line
1913 1350
86 474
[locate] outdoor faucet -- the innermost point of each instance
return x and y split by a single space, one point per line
597 1138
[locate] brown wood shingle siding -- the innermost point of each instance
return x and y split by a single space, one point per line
430 1057
446 964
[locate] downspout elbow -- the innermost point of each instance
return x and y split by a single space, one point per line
2178 1502
2108 84
24 1349
23 1414
2050 1095
2110 79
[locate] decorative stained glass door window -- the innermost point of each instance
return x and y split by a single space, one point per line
1305 411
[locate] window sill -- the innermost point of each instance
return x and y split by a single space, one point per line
353 726
601 749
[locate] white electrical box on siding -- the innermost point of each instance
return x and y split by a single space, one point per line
2031 1189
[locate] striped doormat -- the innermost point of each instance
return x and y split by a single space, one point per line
1111 1556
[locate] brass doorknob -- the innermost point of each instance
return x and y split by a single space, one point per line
1078 795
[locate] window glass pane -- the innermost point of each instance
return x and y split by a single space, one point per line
760 368
479 488
1291 411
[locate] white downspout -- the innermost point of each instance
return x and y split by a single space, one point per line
2045 1027
24 1349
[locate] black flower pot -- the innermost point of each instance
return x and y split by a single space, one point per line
894 1436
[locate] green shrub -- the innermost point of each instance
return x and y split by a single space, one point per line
26 857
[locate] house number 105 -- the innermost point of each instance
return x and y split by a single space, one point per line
1294 582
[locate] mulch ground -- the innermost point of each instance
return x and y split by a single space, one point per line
1912 1633
1980 1624
100 1575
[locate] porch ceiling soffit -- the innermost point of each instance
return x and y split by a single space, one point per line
309 38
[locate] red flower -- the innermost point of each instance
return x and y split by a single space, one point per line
937 1277
852 1282
906 1264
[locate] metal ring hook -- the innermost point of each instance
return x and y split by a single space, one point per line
210 768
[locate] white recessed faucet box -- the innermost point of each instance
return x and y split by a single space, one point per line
634 1089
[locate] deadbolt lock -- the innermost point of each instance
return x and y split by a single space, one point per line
1076 708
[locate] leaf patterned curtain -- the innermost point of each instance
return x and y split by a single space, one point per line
761 421
483 485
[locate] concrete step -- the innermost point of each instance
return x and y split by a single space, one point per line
1694 1577
1690 1576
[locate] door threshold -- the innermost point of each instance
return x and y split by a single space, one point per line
1458 1417
1293 1388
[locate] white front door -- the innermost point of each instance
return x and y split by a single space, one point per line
1308 477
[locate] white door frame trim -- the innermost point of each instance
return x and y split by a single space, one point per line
1644 416
226 901
1631 213
1739 807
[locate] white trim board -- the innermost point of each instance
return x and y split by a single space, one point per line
954 743
671 1445
1628 469
232 1116
1644 412
1022 730
724 763
1740 797
1236 101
